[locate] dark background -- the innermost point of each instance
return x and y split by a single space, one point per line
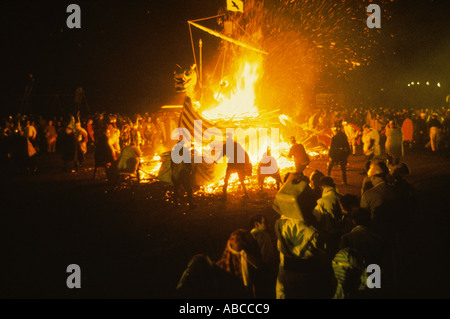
125 53
133 243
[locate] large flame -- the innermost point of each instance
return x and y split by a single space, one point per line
241 100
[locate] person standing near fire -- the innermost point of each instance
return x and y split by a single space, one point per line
238 162
268 167
181 174
301 158
339 152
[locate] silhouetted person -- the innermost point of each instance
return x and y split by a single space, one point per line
339 152
237 162
301 158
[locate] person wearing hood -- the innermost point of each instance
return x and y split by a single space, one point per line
304 271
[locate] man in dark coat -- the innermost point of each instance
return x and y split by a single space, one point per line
71 150
339 152
104 154
420 131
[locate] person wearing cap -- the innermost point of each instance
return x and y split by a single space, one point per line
301 158
338 152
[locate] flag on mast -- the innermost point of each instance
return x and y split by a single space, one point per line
235 5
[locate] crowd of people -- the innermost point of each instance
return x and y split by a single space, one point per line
25 137
324 241
426 128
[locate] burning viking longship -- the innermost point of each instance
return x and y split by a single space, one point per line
226 101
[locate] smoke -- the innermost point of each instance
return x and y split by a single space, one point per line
309 42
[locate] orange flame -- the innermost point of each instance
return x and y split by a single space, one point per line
241 103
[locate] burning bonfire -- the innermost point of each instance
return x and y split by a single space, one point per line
254 90
235 108
232 104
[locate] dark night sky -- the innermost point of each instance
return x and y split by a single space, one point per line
126 51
